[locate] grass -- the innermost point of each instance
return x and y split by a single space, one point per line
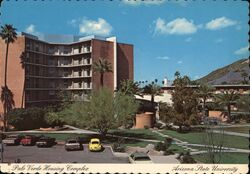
177 149
244 130
227 158
198 138
137 133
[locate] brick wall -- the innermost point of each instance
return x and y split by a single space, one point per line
104 50
15 74
125 62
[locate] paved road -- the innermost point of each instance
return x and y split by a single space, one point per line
57 154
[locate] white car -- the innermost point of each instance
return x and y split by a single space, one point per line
73 144
139 158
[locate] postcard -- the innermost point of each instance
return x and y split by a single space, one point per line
124 86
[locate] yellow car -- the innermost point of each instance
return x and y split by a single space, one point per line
95 145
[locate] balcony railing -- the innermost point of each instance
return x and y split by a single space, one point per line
59 53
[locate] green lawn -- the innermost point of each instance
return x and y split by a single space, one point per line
198 138
177 149
226 158
244 130
137 133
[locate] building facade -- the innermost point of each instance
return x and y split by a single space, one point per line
38 70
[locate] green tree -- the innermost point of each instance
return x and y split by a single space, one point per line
244 103
205 92
166 113
102 67
227 99
25 119
125 109
184 103
103 111
9 35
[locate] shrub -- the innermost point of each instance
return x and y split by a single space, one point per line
146 127
180 155
24 119
160 146
186 158
158 125
118 148
168 141
168 152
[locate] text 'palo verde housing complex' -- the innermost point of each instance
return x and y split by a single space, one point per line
39 69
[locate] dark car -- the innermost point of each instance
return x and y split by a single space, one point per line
73 144
211 121
12 139
46 142
139 158
29 140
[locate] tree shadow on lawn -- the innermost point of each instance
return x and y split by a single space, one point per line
135 135
110 140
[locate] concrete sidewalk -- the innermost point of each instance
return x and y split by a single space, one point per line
233 133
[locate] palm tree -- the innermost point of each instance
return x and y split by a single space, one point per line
23 61
8 102
102 66
205 92
128 87
152 90
227 98
9 35
177 74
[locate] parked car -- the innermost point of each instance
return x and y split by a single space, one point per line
46 142
12 140
29 140
73 144
95 145
139 158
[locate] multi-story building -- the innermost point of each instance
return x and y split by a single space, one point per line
39 69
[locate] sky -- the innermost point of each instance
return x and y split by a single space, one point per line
193 38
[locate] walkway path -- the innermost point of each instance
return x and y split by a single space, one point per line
233 133
74 130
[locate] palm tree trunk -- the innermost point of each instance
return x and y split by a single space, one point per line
229 112
23 94
101 80
204 107
6 64
5 86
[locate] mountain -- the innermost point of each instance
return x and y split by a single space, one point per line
230 74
